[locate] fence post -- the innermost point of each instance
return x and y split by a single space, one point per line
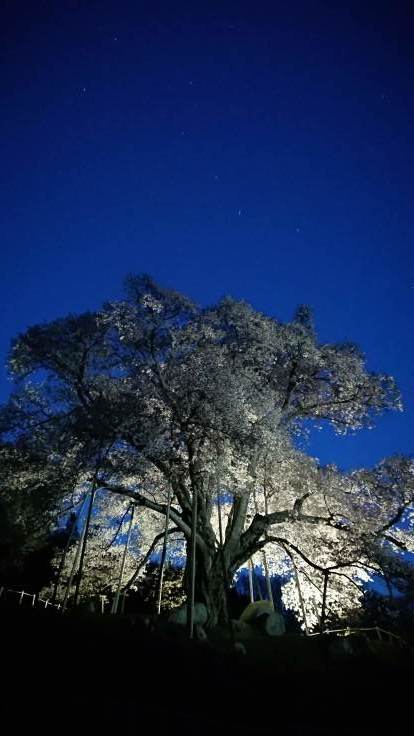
21 598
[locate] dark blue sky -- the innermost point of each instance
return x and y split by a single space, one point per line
258 149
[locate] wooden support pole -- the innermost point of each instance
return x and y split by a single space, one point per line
324 595
193 561
268 581
83 547
115 602
164 552
251 591
74 568
64 555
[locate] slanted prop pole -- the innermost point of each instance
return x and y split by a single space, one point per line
190 617
115 602
251 591
265 565
83 546
268 581
324 596
74 566
64 555
164 551
298 588
223 562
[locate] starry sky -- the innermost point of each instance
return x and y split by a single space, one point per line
262 150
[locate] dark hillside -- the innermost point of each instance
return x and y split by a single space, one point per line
96 672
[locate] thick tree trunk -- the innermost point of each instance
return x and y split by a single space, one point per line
215 564
210 587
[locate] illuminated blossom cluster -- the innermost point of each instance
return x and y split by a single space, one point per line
160 402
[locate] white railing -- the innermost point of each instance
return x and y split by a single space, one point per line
21 594
381 633
103 599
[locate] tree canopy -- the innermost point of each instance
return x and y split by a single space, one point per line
170 406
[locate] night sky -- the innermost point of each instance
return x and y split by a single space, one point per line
259 149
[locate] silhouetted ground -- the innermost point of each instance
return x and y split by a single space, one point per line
103 673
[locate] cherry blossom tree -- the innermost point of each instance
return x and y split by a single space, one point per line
157 400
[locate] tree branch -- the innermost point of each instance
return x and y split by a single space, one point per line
159 508
147 556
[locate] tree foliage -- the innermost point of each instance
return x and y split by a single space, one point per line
153 397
